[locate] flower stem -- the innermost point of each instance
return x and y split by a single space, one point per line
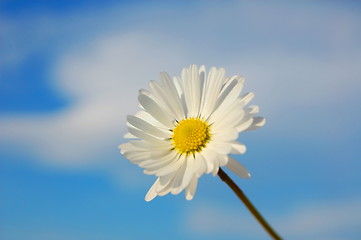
225 178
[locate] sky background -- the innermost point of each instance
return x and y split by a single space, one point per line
70 73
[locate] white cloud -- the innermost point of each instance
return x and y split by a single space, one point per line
103 81
211 220
321 220
103 75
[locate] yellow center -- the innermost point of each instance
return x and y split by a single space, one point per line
190 135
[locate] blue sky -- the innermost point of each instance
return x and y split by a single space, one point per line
70 73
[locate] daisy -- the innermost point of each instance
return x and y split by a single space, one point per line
187 127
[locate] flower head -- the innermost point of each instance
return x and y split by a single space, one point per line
188 126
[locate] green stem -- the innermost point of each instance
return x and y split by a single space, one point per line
225 178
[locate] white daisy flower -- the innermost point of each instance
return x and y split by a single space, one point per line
188 126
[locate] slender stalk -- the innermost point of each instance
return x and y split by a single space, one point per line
225 178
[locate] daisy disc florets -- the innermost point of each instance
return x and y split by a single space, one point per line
188 126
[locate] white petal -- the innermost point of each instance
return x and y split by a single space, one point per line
166 99
144 136
192 90
129 136
156 111
146 127
154 164
200 165
126 147
253 110
165 184
161 169
238 148
161 154
220 161
245 124
172 95
227 115
213 86
228 134
179 84
136 157
196 89
178 179
230 122
158 163
189 172
169 168
191 189
209 156
150 119
246 98
215 170
156 92
237 168
230 91
220 147
141 144
257 123
179 87
202 79
223 160
151 194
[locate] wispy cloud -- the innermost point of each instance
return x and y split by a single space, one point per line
320 220
323 219
102 72
103 82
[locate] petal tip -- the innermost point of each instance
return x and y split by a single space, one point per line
189 197
152 193
148 199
